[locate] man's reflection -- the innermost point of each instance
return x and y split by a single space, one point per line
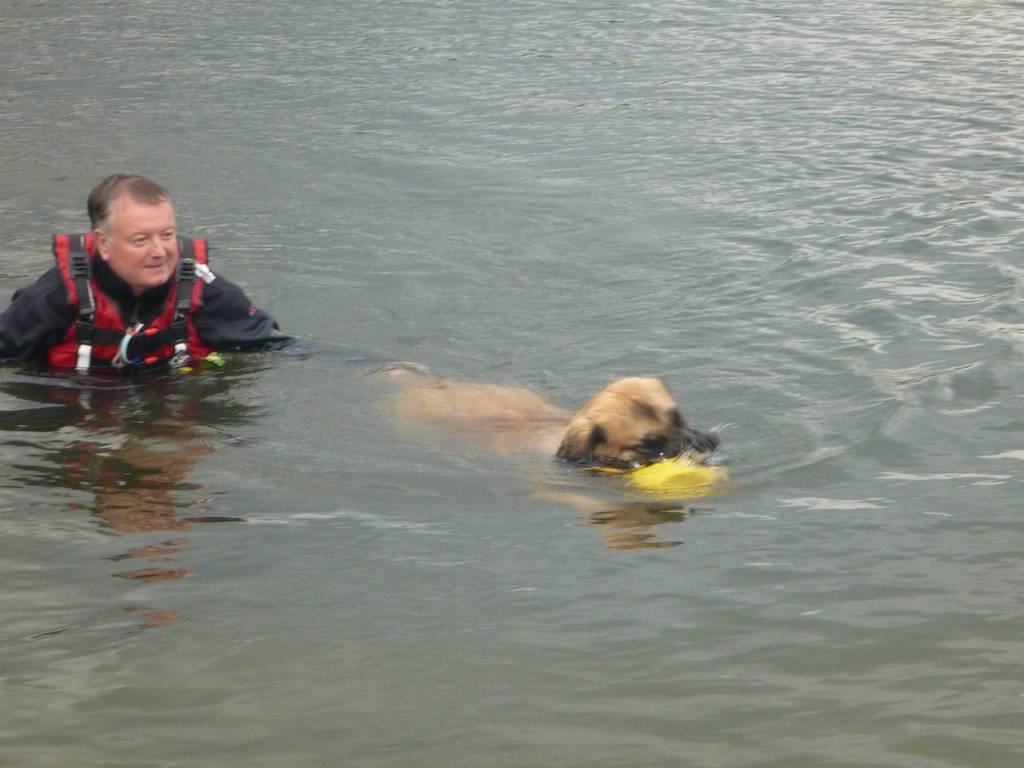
130 449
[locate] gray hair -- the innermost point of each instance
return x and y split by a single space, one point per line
138 188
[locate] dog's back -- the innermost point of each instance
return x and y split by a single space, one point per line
505 418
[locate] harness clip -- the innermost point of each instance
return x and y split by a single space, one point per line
79 264
121 359
180 359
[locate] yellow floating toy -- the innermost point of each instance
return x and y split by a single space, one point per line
679 478
214 358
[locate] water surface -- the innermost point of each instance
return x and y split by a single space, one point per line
805 217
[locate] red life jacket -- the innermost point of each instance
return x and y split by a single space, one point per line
100 337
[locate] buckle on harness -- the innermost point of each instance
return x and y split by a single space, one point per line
181 357
186 270
79 264
83 358
121 359
84 334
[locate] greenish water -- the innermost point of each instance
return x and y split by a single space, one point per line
805 217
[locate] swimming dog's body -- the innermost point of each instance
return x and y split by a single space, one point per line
631 422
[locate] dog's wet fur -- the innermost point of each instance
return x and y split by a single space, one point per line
632 422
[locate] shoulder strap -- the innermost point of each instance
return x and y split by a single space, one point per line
186 279
191 251
193 248
74 254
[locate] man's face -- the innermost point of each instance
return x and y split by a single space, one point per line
139 242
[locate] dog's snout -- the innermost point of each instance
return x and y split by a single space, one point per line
705 442
674 447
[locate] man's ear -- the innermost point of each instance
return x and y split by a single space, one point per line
102 244
580 439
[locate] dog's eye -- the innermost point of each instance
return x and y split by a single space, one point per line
654 444
676 418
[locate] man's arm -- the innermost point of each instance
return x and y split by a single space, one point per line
228 321
37 319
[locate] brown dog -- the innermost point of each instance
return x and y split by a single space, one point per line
631 422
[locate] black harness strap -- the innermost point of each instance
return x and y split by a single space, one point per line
183 301
81 274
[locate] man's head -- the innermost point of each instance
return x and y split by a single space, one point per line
133 222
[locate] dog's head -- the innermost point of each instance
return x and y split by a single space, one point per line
630 423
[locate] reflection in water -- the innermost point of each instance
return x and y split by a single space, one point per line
169 547
130 446
133 480
624 525
630 525
154 619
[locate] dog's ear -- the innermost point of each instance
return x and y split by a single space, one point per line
580 439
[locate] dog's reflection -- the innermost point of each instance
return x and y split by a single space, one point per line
624 525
